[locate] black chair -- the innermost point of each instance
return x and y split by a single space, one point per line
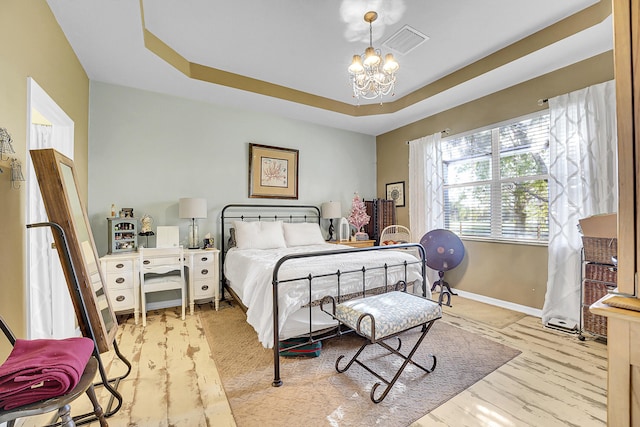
60 403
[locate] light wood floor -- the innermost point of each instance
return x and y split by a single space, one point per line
556 381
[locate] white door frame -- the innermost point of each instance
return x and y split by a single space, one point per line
47 282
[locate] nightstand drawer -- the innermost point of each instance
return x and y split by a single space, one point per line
203 266
203 259
203 289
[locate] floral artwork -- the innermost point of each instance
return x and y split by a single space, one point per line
273 172
358 216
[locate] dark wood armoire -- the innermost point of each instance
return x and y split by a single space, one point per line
382 213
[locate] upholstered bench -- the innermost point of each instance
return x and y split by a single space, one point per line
383 316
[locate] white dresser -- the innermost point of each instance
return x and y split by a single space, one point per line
122 279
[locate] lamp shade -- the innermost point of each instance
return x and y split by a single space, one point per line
192 208
331 210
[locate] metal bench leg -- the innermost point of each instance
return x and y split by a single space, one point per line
407 359
353 359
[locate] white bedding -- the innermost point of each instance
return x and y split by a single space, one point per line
250 273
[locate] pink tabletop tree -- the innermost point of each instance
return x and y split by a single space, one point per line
358 216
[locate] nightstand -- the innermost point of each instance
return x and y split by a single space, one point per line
355 243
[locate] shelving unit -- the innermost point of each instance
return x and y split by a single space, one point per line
123 235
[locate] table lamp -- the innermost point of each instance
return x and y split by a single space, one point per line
193 208
331 210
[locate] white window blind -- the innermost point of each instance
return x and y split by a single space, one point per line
496 181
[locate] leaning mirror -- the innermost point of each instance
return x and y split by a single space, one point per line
58 185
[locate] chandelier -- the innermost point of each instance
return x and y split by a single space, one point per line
372 77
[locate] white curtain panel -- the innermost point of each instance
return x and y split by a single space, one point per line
582 182
426 196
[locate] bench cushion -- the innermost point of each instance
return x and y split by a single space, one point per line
393 312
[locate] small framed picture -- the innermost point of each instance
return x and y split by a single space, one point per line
395 192
126 213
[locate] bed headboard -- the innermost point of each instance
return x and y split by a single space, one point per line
262 212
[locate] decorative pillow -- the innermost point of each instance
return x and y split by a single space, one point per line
231 243
259 235
392 242
302 234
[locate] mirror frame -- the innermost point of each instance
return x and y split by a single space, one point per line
60 196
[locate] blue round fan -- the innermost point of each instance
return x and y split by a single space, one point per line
444 250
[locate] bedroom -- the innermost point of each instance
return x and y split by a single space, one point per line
176 137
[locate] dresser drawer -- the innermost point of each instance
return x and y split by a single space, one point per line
122 299
120 279
160 260
115 266
203 289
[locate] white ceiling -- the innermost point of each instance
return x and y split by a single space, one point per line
307 46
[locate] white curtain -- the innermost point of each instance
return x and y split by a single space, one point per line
51 310
426 196
582 182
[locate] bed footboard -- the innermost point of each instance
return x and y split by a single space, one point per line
420 262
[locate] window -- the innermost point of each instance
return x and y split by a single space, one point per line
496 181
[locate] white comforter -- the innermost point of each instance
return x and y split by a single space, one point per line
250 272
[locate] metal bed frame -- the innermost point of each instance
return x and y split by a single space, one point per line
309 213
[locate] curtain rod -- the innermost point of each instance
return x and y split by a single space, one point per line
445 131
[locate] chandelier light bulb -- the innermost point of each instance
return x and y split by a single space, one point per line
390 64
356 65
371 58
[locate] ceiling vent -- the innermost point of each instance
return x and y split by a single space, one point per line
405 40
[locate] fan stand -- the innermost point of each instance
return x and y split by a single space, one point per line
445 289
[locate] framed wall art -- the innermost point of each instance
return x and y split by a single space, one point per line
395 192
273 172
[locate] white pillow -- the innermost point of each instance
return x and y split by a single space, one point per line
259 235
302 233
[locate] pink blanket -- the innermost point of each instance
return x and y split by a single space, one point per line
40 369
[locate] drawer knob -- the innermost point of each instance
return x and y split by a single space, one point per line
120 280
120 298
204 271
120 265
204 259
205 287
146 262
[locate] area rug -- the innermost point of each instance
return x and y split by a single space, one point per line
313 392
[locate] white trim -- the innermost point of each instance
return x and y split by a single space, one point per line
535 312
63 322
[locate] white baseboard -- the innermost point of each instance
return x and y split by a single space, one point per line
536 312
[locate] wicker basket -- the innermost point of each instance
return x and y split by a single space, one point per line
593 291
594 323
599 249
601 273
